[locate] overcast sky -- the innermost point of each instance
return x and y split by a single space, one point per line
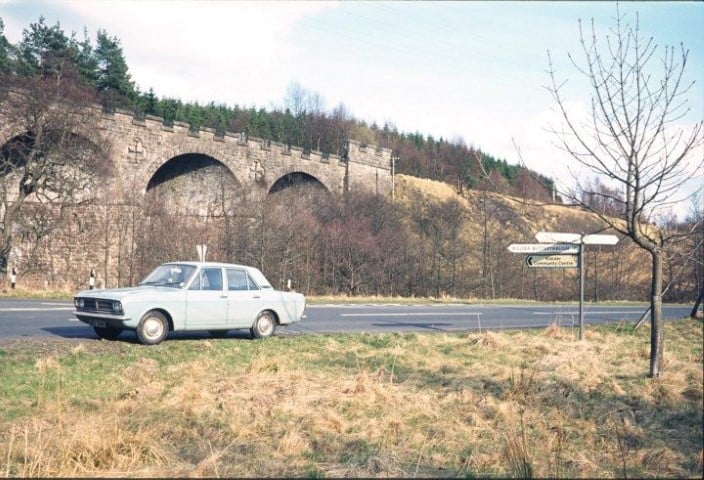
470 70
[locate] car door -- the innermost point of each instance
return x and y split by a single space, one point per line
207 300
245 299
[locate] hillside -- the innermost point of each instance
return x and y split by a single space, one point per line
490 222
429 241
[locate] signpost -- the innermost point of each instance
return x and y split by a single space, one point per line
552 261
562 250
201 249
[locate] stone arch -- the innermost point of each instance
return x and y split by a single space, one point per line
77 162
193 184
297 179
14 150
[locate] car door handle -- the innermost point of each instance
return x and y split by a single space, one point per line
223 296
257 296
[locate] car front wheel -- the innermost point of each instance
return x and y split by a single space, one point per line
153 328
263 326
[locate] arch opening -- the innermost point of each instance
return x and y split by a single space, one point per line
54 164
193 185
300 182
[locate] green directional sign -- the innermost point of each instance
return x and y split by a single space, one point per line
552 261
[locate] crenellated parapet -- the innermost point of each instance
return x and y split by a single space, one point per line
150 138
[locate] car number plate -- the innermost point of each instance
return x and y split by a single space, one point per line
98 323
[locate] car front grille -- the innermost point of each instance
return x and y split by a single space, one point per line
97 305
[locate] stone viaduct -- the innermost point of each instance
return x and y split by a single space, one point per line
142 147
146 150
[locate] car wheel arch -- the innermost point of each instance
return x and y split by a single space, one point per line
165 313
273 314
261 327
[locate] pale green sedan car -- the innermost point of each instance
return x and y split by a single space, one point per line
187 296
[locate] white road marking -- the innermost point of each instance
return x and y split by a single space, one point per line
29 309
383 305
435 314
594 312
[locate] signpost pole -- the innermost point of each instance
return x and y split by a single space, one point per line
581 286
202 249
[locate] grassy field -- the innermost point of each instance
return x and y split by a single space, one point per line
522 404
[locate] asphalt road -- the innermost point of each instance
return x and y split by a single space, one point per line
29 318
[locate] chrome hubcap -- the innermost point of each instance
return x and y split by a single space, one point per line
265 324
153 327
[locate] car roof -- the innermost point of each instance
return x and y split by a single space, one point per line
210 264
256 274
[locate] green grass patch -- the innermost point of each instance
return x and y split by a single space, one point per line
532 403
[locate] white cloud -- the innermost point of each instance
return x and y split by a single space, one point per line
202 50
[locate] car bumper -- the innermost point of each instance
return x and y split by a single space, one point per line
104 320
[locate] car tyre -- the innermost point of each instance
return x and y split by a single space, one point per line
218 333
153 328
264 326
107 333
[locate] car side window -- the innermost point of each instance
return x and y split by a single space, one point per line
236 279
211 279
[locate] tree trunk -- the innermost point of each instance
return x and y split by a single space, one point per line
4 259
656 337
693 313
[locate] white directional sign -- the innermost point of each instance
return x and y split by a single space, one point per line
600 240
552 261
554 237
593 239
565 248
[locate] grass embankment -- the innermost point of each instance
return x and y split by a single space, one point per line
529 403
342 299
36 294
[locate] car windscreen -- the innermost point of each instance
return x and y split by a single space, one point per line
169 275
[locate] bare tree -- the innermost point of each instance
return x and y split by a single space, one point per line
697 219
51 151
633 140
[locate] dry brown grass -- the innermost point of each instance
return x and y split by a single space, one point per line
519 220
492 404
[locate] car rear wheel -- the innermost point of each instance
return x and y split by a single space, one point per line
153 328
264 326
107 333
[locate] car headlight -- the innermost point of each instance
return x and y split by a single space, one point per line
79 303
117 308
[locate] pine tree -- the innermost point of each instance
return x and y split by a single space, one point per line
113 80
5 51
43 51
84 59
